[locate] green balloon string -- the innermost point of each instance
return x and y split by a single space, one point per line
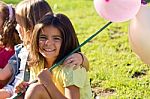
62 60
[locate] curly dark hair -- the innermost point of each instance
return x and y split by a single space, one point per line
9 35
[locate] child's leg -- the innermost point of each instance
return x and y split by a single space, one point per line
37 91
4 94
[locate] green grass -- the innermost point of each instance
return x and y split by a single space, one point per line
113 65
11 1
112 62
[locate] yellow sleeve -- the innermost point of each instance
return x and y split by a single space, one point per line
75 77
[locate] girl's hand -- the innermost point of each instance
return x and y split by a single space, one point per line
74 60
21 87
44 76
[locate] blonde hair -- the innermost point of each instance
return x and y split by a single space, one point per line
29 12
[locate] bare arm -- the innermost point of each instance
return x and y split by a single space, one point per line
76 60
72 92
6 72
85 62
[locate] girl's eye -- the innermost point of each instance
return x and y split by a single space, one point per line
57 38
42 38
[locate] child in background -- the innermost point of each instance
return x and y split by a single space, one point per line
52 39
28 12
9 37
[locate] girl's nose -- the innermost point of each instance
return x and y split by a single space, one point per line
49 42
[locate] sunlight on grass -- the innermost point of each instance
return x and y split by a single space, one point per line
112 62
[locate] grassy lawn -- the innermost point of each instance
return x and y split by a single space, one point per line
11 1
115 71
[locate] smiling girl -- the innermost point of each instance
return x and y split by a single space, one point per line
53 38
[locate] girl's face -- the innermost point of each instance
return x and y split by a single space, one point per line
50 41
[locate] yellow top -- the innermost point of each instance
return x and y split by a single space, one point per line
66 76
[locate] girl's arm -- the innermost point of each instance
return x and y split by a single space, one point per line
85 62
76 60
71 92
6 72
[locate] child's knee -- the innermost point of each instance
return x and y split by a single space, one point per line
34 88
33 91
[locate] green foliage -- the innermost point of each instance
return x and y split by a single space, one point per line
113 65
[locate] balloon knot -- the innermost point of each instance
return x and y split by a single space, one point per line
107 0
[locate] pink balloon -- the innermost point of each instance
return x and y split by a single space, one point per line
139 34
117 10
